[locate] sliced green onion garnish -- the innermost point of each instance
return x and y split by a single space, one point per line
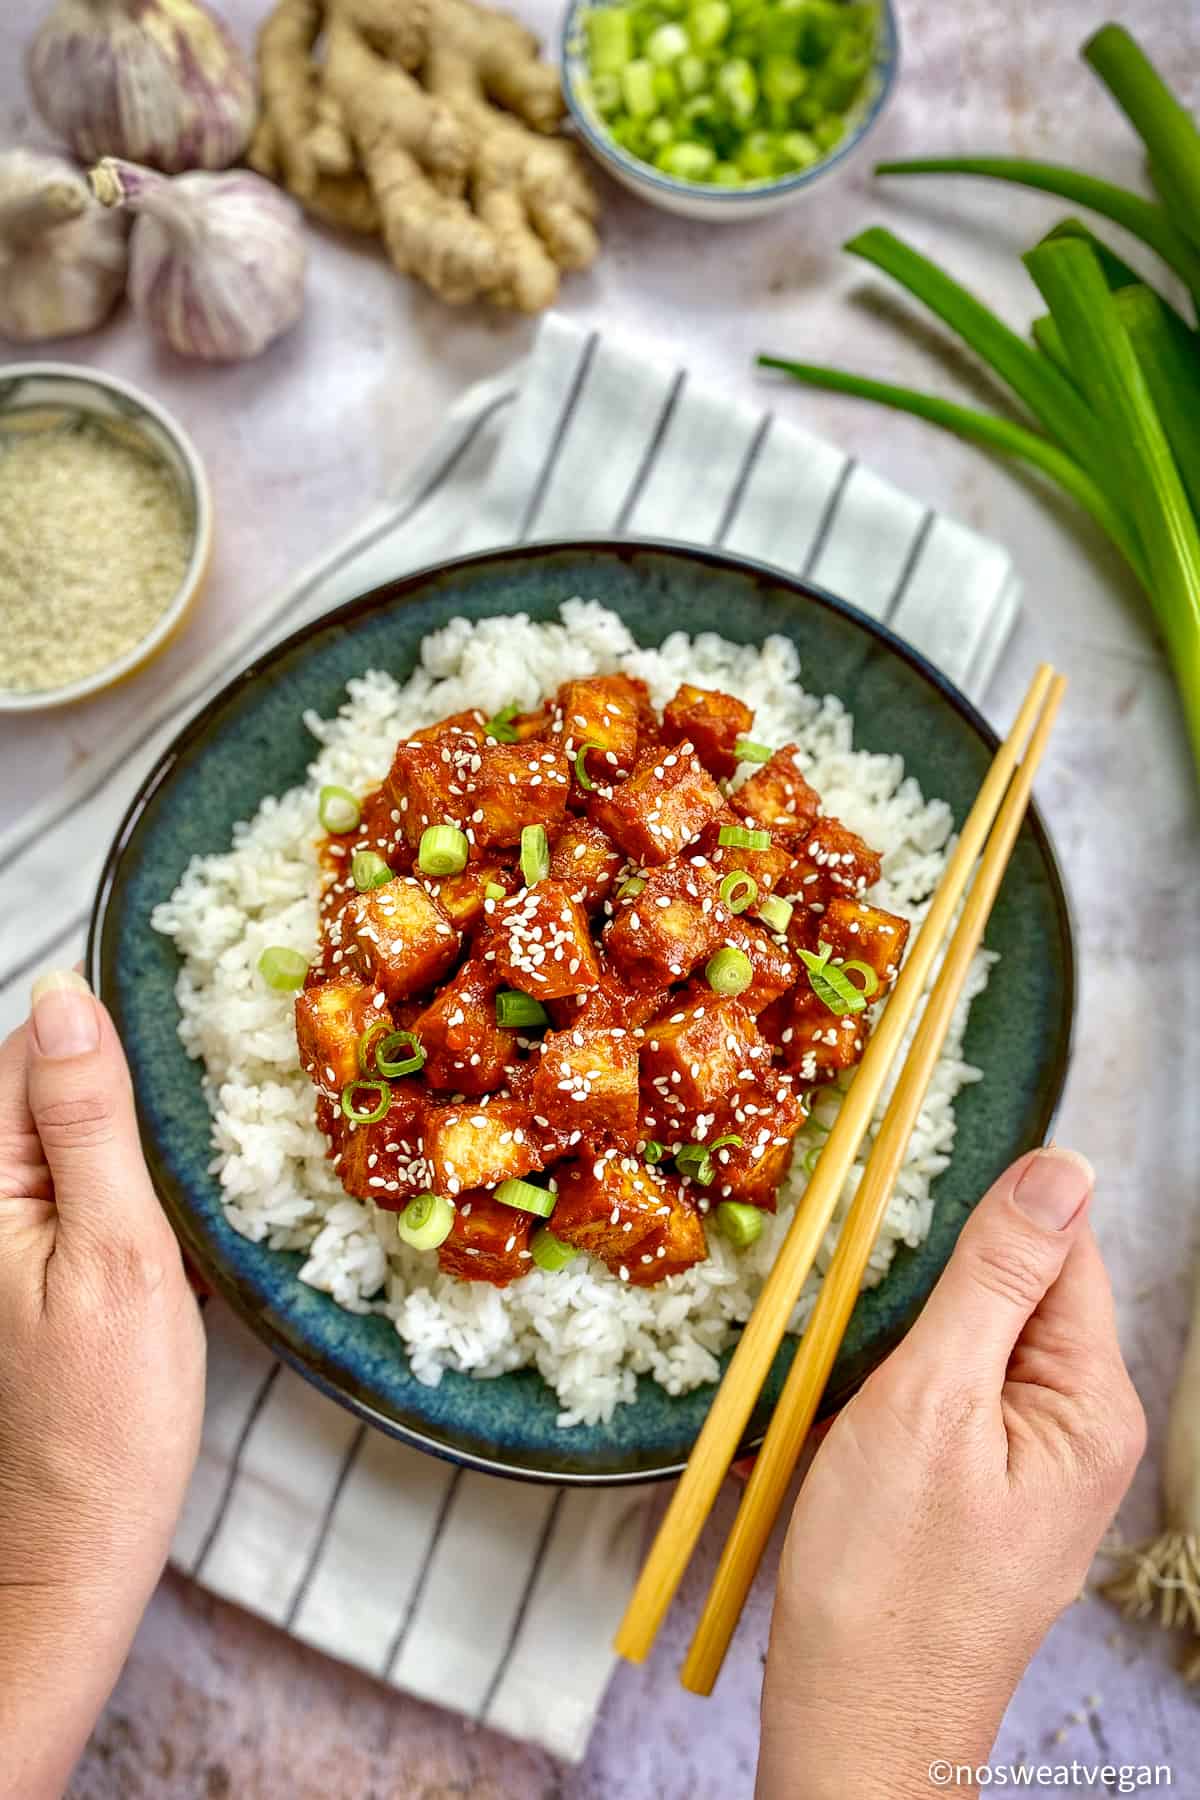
376 1029
385 1057
653 1152
730 1137
549 1252
870 980
338 810
696 1160
739 890
515 1008
776 914
581 774
746 750
444 850
629 890
498 726
810 1158
362 1115
729 971
368 870
740 1223
740 837
832 987
526 1198
282 969
426 1221
493 891
535 854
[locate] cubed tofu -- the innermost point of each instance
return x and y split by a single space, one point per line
462 897
696 1057
611 1003
712 721
660 808
465 1050
487 1242
676 921
588 1079
777 798
754 1180
516 785
770 868
815 1043
586 863
429 783
480 1143
330 1020
857 932
678 1243
398 936
774 967
610 1203
831 860
601 711
385 1162
540 942
766 1116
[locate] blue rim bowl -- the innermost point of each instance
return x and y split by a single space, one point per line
250 741
692 199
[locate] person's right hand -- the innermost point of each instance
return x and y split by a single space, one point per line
101 1382
954 1507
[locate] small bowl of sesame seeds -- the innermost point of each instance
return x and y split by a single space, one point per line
107 530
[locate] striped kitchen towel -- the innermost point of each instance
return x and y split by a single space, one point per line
455 1586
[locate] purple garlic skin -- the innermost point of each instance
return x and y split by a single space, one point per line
161 82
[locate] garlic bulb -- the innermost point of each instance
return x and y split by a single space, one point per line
216 262
160 81
62 257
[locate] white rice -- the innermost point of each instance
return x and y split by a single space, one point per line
588 1333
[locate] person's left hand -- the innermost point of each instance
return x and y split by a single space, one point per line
101 1382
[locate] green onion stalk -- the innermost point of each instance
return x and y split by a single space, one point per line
1110 377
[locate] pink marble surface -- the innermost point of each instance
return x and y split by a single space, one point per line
215 1704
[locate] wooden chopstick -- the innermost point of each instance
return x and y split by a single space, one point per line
735 1399
797 1404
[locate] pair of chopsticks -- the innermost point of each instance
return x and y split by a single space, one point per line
988 837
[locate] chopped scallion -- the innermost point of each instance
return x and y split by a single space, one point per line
740 837
338 810
830 984
731 1137
282 969
376 1029
870 980
498 726
729 972
776 914
549 1252
365 1115
426 1222
746 750
443 850
696 1160
653 1152
493 891
385 1056
535 854
516 1008
526 1198
368 870
739 890
629 890
740 1223
581 774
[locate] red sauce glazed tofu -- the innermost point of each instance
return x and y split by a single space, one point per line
465 1050
541 944
677 920
610 1203
660 808
776 797
487 1241
385 1162
514 786
710 720
696 1057
602 712
330 1020
398 936
587 1079
586 863
480 1143
831 860
675 1246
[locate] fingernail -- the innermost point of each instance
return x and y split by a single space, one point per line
1054 1187
64 1014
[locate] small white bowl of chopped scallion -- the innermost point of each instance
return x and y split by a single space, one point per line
726 109
107 527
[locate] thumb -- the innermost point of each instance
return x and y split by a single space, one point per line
1008 1257
81 1102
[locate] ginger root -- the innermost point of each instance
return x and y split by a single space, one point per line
434 123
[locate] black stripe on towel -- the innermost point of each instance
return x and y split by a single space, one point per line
539 1557
915 552
650 456
392 1654
318 1549
542 485
738 491
29 963
214 681
825 526
259 1401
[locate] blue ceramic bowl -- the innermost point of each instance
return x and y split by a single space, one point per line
250 741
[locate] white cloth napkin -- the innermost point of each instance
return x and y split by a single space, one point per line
497 1598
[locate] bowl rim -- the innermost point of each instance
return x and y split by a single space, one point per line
402 591
885 68
84 375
